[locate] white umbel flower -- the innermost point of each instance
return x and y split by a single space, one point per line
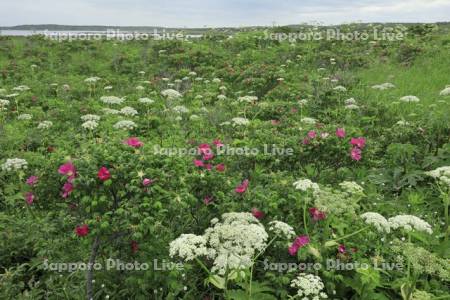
24 117
92 79
309 287
90 117
442 174
110 111
409 222
445 92
90 124
351 187
45 125
409 98
282 229
238 121
171 94
14 164
128 111
305 185
377 220
310 121
188 247
3 104
181 109
111 99
383 86
340 88
248 99
125 124
146 100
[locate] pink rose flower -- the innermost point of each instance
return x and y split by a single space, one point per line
134 142
240 189
103 174
340 133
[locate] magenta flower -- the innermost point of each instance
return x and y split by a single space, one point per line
32 180
67 189
29 197
82 230
218 143
208 156
340 133
134 142
240 189
341 248
208 167
312 134
69 170
103 174
198 163
258 213
147 181
316 214
208 199
356 154
358 142
306 141
298 243
220 168
204 149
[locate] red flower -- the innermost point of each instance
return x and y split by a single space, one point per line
358 142
257 213
103 174
299 242
82 230
242 187
198 163
204 149
356 154
312 134
340 132
147 181
220 167
29 197
134 247
208 156
32 180
69 170
316 214
134 142
207 200
67 189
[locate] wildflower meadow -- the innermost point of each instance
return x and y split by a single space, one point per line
236 166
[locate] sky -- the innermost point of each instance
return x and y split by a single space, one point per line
218 13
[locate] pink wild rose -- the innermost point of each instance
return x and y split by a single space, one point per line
299 242
240 189
134 142
340 133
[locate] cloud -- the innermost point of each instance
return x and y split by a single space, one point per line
199 13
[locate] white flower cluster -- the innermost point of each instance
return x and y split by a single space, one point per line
180 109
238 121
351 104
231 243
409 222
351 187
21 88
125 124
377 220
310 121
445 92
188 247
171 94
92 79
146 100
24 117
340 88
383 86
14 164
110 111
306 184
111 99
221 97
248 99
90 118
409 99
3 104
282 229
45 125
90 125
309 287
128 111
402 123
442 174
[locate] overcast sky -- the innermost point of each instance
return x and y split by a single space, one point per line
216 13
